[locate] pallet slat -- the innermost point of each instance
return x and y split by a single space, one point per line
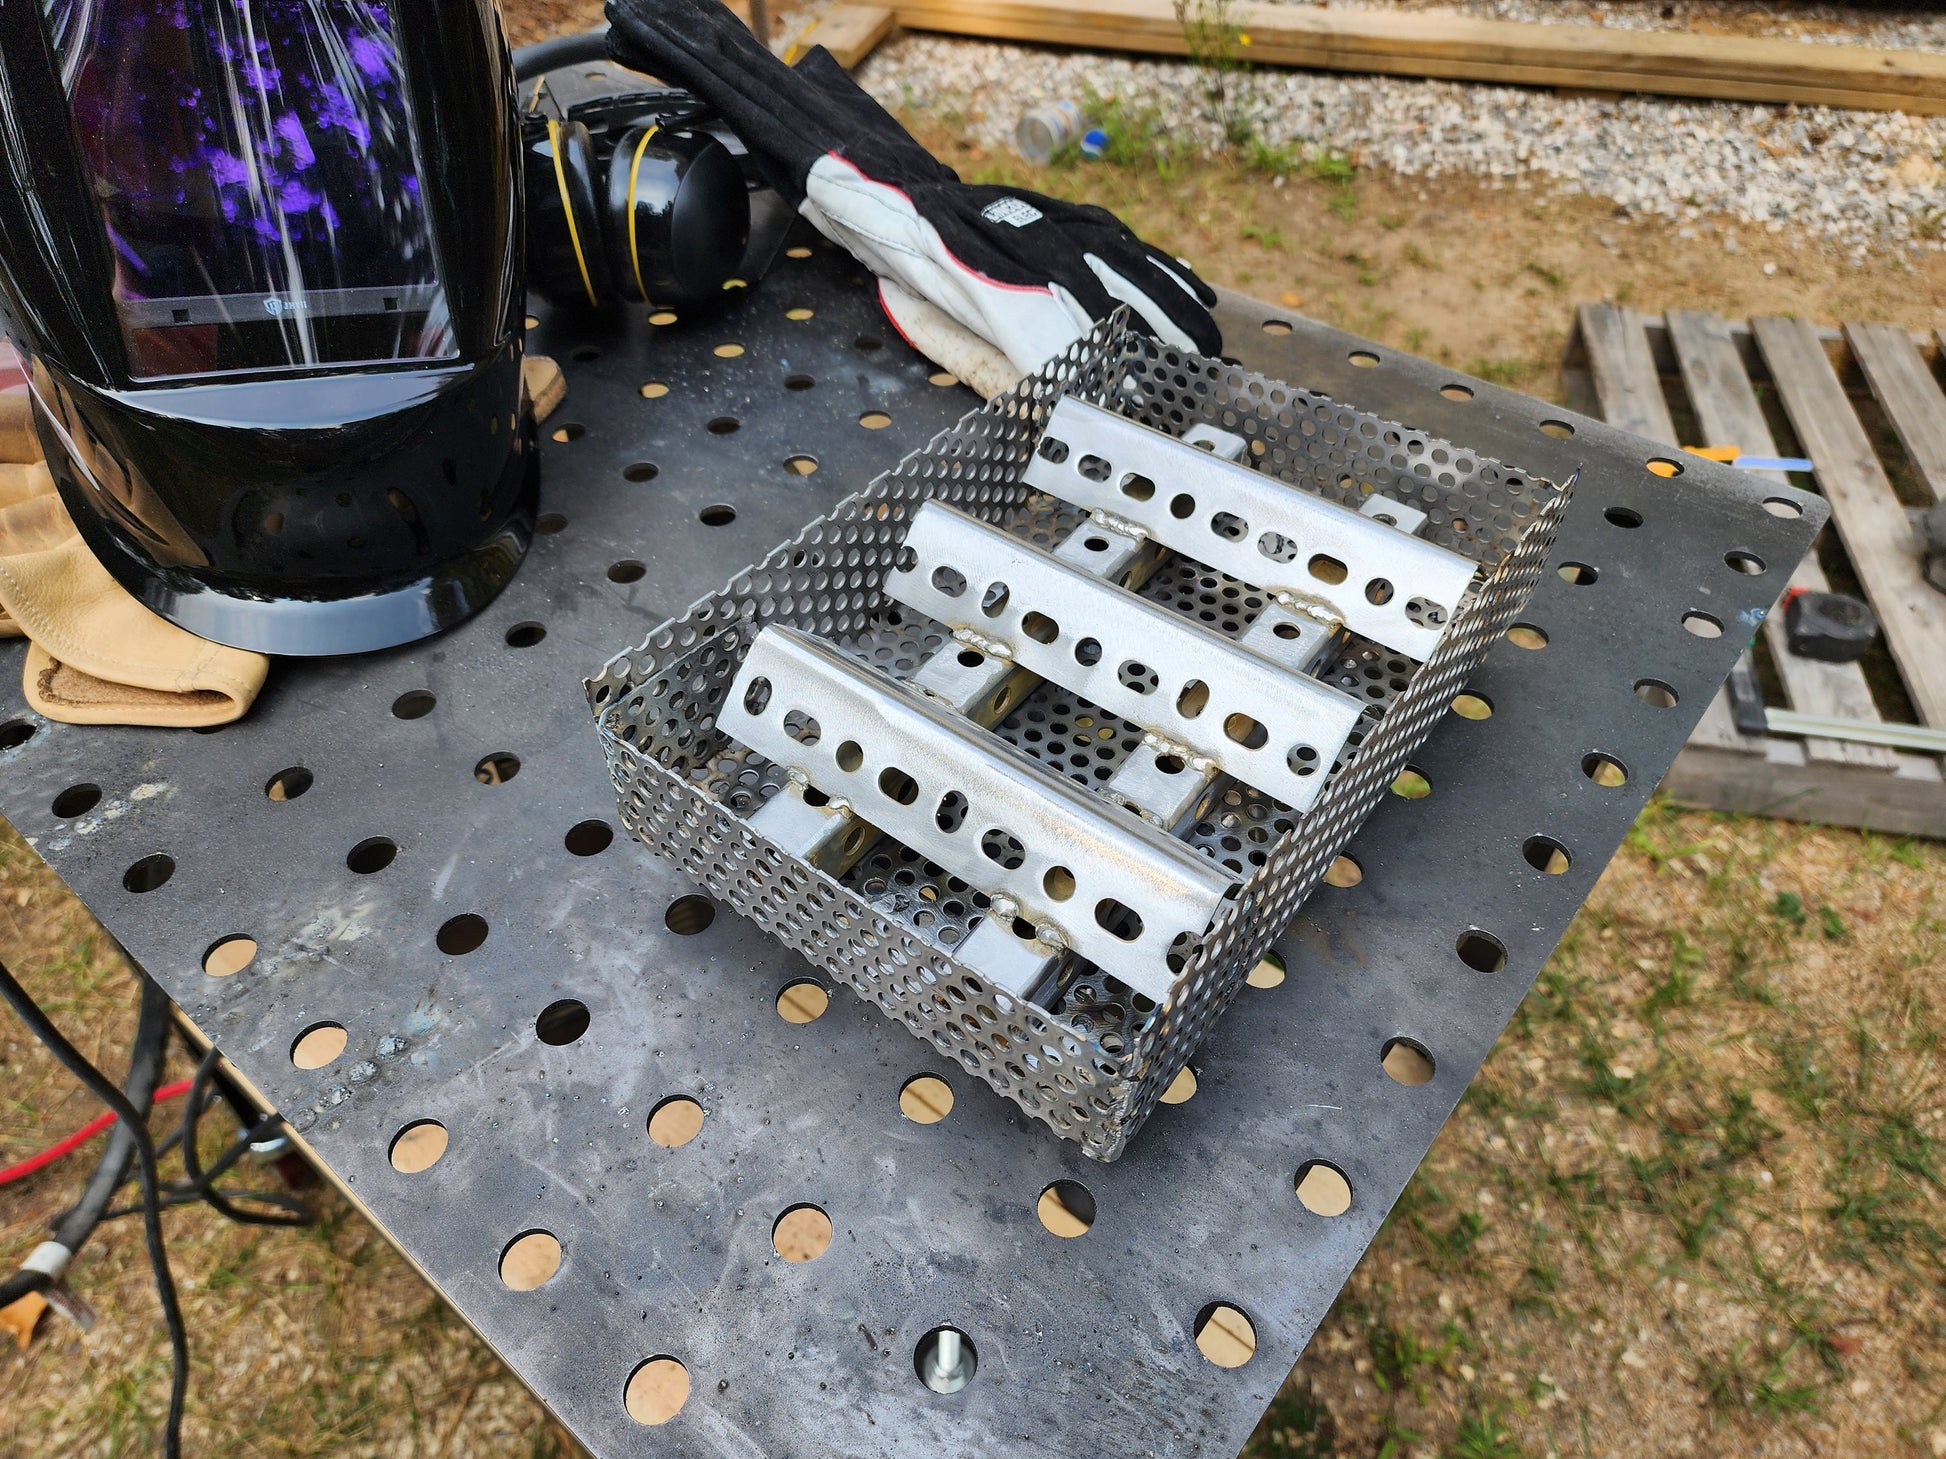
1911 397
1727 410
1624 372
1457 47
1615 344
849 32
1871 523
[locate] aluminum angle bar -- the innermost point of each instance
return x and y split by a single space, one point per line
1211 702
1108 884
1396 589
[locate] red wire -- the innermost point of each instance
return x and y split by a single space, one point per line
81 1136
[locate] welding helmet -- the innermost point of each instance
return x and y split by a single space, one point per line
262 261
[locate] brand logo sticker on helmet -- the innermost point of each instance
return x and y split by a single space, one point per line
1015 212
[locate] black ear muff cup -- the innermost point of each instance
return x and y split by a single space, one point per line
567 257
677 219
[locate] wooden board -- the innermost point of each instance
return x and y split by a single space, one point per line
1909 394
1728 413
1456 47
1909 800
849 32
1876 532
1624 373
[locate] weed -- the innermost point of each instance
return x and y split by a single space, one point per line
1413 254
1296 1426
1333 167
1789 907
1484 1435
1415 339
1552 277
1278 161
1272 239
1215 42
1398 1356
1390 222
1504 372
1678 987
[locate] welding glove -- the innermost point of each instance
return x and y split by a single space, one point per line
96 655
990 281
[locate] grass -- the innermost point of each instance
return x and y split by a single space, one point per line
1693 1202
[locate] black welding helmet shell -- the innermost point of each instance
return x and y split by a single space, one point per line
262 260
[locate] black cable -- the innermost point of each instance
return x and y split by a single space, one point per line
559 51
103 1088
144 1072
73 1226
192 1158
208 1085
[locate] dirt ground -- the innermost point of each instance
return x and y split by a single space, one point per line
1692 1205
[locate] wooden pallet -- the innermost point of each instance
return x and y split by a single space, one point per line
1628 368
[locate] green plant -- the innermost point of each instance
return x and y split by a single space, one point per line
1295 1426
1484 1435
1278 161
1215 43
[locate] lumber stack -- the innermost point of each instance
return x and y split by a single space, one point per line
1456 47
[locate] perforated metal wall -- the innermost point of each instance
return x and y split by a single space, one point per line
1089 1075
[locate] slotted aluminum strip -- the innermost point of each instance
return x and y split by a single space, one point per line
1203 694
943 787
1395 589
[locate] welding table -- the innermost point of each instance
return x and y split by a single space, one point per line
1084 1345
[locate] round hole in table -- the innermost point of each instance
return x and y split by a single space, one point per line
925 1099
530 1260
1322 1188
689 914
802 1000
318 1045
1066 1208
802 1234
675 1121
77 800
373 854
417 1147
228 956
1225 1335
656 1391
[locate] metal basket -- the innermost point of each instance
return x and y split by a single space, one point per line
1093 1066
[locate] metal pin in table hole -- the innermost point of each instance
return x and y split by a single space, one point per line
946 1360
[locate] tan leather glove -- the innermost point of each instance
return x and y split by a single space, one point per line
98 656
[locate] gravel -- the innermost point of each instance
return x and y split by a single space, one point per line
1865 182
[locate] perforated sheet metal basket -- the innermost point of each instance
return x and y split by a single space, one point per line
1093 1066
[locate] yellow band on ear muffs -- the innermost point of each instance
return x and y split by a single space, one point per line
663 217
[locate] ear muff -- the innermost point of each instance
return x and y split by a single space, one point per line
566 258
677 217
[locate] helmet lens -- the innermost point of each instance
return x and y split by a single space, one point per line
255 167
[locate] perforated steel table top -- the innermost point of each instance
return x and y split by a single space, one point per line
1083 1344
